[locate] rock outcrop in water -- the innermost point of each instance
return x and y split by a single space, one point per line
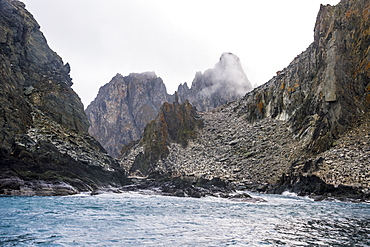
45 148
306 130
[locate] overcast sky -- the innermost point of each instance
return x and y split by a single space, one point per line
173 38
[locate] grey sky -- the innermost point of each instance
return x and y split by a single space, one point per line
175 39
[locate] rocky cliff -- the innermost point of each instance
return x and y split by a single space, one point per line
306 130
123 107
224 83
44 144
326 87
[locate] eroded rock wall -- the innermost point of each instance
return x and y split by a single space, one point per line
126 104
325 87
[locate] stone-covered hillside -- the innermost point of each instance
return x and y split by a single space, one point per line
45 148
224 83
306 130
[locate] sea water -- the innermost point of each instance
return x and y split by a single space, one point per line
132 219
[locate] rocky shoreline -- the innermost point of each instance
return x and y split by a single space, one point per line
264 157
183 187
14 186
188 187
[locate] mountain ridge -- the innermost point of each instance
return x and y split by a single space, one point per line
124 106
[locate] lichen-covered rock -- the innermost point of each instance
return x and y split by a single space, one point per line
43 126
175 123
325 87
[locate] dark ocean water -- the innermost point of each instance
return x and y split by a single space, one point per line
146 220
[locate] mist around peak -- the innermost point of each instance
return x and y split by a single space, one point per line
228 75
225 82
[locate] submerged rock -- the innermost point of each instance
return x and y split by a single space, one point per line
243 197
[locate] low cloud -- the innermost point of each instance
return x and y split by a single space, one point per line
227 76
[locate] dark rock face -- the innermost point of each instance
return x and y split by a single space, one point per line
43 127
224 83
123 107
306 130
30 67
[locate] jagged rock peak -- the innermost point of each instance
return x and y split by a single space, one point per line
226 82
126 104
230 71
175 123
123 107
140 77
228 61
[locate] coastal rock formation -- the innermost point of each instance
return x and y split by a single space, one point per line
305 130
43 127
224 83
123 107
